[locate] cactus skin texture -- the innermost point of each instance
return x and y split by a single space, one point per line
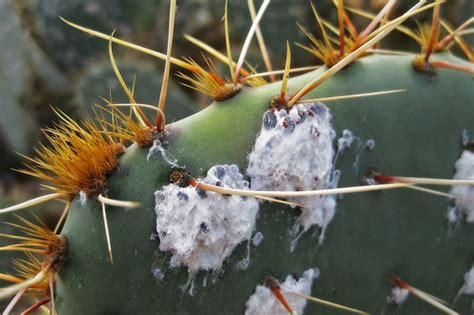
373 235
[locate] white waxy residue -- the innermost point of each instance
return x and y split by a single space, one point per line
157 148
201 229
294 151
345 141
464 194
257 239
264 302
398 296
468 287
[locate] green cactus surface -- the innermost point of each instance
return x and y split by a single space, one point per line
372 236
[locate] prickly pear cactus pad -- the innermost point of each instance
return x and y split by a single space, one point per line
372 235
350 184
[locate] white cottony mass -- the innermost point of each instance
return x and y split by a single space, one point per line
294 151
201 229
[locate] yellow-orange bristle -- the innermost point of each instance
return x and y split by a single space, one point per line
126 125
321 26
79 156
37 238
25 270
209 82
321 50
253 81
256 81
324 49
423 34
144 137
375 37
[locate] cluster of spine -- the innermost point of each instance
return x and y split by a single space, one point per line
46 253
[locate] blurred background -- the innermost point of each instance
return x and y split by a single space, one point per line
44 62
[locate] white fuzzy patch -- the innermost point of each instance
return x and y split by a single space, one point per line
465 137
157 148
464 194
294 151
201 229
82 198
345 141
468 287
398 296
257 239
157 274
370 144
264 302
452 216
